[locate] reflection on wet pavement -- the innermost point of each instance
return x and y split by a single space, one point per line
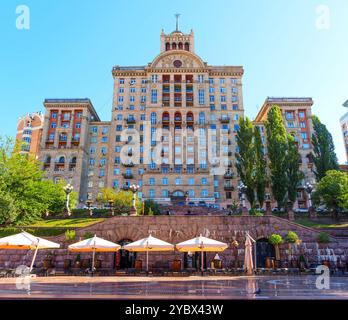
283 287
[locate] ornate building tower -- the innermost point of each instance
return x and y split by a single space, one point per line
174 126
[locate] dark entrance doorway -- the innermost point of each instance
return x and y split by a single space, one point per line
178 198
193 260
124 259
263 250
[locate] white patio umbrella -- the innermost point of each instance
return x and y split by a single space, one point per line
94 245
148 244
248 258
201 244
26 241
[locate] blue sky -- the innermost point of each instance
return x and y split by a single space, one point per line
72 45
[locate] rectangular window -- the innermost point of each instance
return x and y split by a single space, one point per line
200 78
301 114
154 96
154 78
201 96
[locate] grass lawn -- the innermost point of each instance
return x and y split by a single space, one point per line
50 228
322 224
66 223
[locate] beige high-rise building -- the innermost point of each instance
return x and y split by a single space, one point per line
172 131
184 113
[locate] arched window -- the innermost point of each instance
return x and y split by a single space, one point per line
48 159
177 117
73 160
165 116
187 46
173 46
153 118
180 46
201 118
189 117
61 159
167 46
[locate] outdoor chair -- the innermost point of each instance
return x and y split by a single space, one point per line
3 273
51 272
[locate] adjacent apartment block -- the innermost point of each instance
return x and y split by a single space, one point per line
344 127
29 132
297 114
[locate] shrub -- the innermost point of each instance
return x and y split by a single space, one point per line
275 239
323 238
151 206
291 237
88 235
70 235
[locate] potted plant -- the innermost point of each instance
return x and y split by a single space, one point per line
47 262
276 240
291 238
235 245
323 238
70 235
78 261
302 262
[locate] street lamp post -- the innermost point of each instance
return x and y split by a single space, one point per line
291 214
311 211
111 206
268 204
67 189
134 188
242 189
89 203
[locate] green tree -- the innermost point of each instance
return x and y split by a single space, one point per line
22 180
332 190
122 200
150 205
294 174
8 209
277 145
324 155
246 158
261 175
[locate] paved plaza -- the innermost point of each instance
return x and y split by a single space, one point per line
267 288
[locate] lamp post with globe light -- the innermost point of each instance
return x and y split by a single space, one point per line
134 188
242 189
311 211
67 189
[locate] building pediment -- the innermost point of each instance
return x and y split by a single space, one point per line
177 59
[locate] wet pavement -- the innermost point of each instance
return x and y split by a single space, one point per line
267 287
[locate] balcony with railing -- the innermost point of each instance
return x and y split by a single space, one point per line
228 187
130 120
225 119
228 175
127 175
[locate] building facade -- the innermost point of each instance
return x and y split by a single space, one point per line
65 143
29 132
344 127
173 130
297 115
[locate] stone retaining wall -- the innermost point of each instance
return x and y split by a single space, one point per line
175 229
